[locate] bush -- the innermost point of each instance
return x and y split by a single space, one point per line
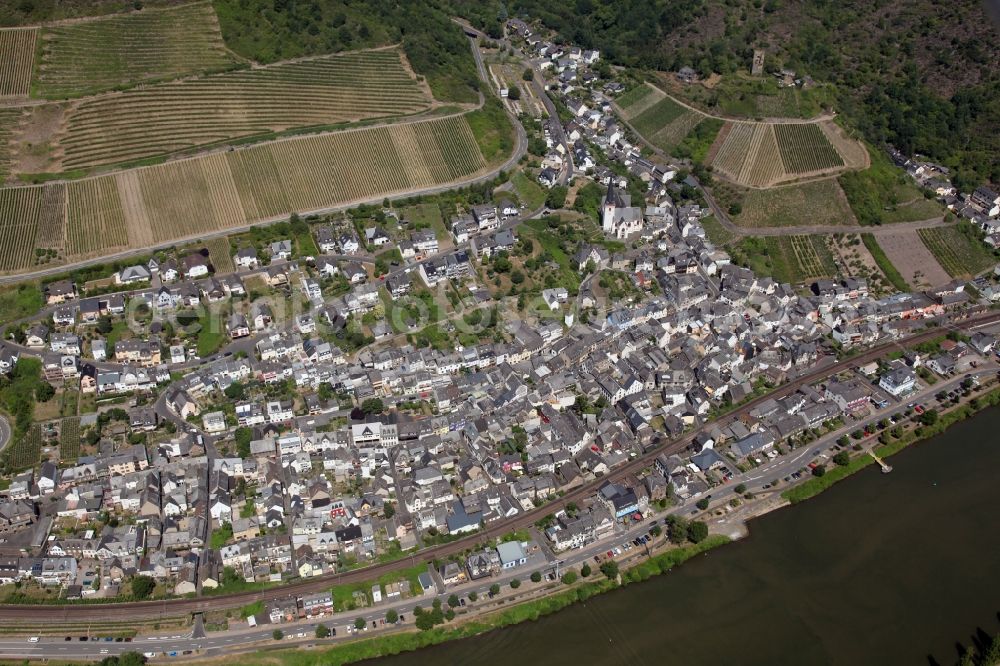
610 569
697 531
569 577
277 634
740 489
702 504
360 623
494 589
453 601
515 583
473 596
843 458
819 470
585 570
322 631
391 616
536 577
142 587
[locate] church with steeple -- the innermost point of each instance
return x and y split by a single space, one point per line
619 218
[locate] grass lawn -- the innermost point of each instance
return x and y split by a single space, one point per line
819 202
493 131
538 230
716 233
343 595
305 245
530 192
792 259
883 194
21 301
211 335
958 249
426 216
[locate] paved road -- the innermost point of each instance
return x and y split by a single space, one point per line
175 607
4 432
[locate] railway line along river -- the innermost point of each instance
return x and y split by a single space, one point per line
881 569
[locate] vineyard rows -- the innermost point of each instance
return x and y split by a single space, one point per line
94 217
805 148
657 116
27 451
675 131
186 198
8 118
170 117
106 53
17 56
958 253
69 439
218 254
19 212
813 257
638 99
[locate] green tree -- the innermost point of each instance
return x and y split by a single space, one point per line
243 437
585 570
391 616
360 623
236 391
373 406
494 589
528 74
515 583
740 489
697 531
277 634
929 417
819 470
610 569
569 577
449 614
453 601
656 530
322 631
473 596
556 197
44 392
843 458
702 504
104 325
536 577
142 587
514 93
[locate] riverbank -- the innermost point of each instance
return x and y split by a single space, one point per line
401 641
406 641
834 475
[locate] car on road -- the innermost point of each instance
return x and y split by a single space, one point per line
68 638
461 602
148 655
33 639
105 651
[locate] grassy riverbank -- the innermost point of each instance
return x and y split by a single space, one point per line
391 644
816 485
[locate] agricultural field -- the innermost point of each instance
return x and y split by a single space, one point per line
171 117
804 148
95 221
638 99
958 249
218 254
8 120
113 52
792 259
27 451
816 203
766 154
187 198
17 55
69 440
656 117
915 264
20 211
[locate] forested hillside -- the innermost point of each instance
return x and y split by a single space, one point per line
923 75
271 30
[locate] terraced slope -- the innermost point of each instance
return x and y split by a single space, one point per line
166 118
159 204
115 51
17 53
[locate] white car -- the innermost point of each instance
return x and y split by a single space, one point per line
33 639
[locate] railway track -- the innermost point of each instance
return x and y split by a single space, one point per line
146 610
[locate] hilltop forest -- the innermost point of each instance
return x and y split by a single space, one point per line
922 75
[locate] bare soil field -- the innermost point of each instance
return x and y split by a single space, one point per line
912 259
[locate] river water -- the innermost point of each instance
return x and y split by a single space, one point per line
881 569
